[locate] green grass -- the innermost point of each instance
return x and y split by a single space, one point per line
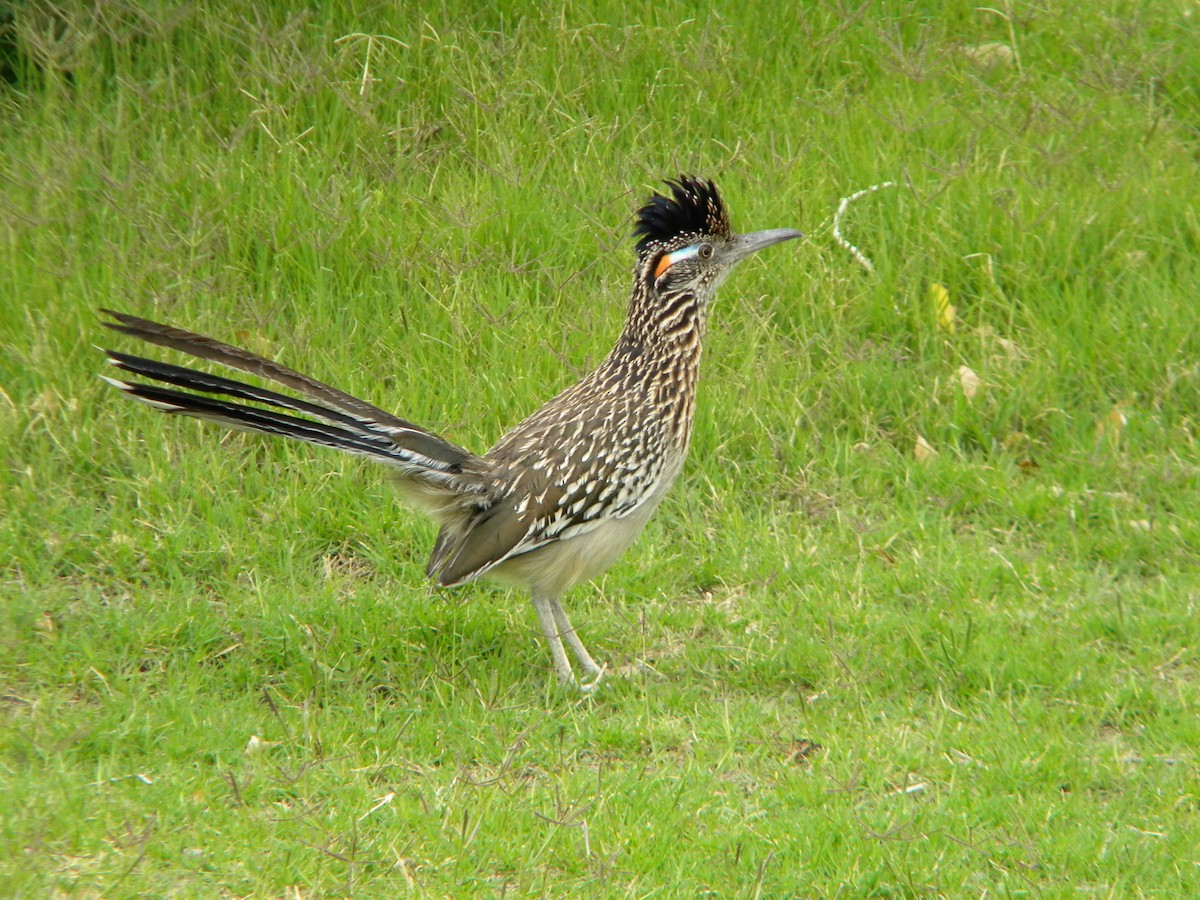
221 670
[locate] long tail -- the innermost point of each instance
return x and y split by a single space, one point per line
329 418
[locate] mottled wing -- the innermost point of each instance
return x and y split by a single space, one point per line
580 461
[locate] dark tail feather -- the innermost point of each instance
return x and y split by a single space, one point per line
215 384
262 421
339 420
207 348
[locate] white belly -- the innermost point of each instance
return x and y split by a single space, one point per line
557 567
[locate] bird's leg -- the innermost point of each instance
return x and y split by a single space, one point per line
545 613
568 633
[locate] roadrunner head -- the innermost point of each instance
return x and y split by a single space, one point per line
685 243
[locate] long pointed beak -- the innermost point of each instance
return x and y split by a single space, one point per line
745 244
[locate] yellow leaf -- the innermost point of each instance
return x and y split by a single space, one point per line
940 298
922 452
969 382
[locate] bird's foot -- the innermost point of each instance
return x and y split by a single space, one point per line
596 674
593 675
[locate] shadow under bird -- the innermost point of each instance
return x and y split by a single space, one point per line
562 494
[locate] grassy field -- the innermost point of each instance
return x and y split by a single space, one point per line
920 618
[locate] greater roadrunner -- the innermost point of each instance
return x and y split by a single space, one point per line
558 499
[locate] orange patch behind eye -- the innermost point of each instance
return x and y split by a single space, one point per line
664 263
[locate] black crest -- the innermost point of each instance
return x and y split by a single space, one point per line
694 207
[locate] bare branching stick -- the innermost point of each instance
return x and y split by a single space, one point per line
837 222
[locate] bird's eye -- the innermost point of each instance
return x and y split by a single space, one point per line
706 251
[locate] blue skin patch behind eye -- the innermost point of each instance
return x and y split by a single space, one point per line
685 253
669 259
